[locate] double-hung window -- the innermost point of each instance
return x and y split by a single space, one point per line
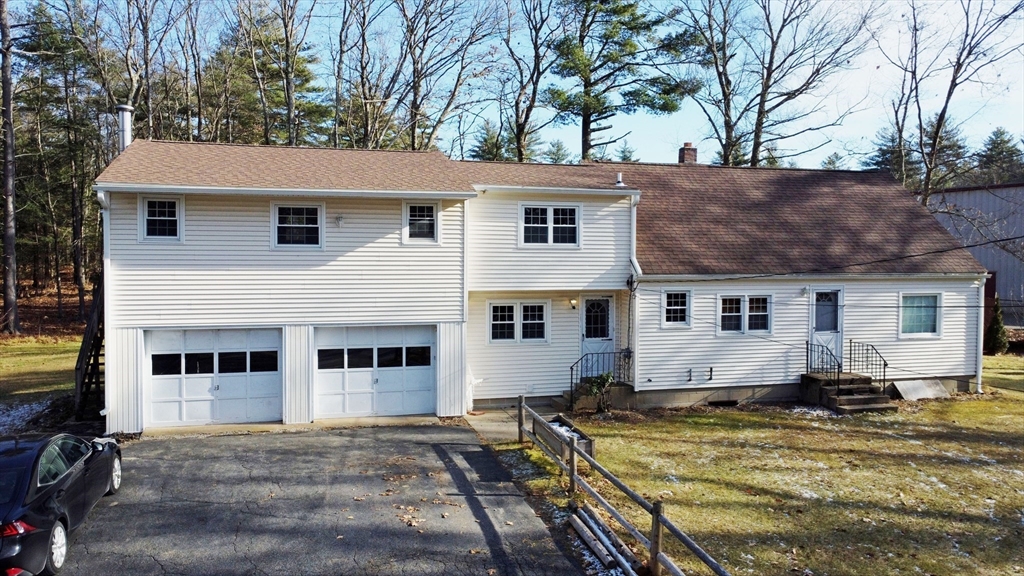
675 305
743 314
421 224
298 226
919 315
161 219
552 225
518 321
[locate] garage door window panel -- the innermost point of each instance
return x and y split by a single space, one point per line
417 356
360 358
199 363
330 358
166 364
389 357
263 361
231 362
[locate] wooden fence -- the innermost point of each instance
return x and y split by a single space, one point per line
658 560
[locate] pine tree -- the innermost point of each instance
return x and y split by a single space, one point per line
1000 160
833 162
557 153
896 158
625 153
996 340
492 144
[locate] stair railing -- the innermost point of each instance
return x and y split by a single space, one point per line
821 360
594 365
864 358
87 367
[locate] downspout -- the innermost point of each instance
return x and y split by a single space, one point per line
637 272
981 333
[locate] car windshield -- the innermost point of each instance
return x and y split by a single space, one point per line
8 483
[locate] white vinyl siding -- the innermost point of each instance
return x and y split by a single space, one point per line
498 261
871 314
122 374
224 274
506 370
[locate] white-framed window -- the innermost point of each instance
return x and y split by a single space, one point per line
298 226
524 322
421 222
920 315
160 218
547 224
745 314
676 306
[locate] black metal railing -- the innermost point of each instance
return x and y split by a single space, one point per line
89 367
821 360
595 366
864 358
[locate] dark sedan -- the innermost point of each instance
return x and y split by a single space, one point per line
48 484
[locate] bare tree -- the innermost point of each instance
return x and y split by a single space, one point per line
767 63
10 323
942 56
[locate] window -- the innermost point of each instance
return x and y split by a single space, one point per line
677 309
160 219
421 223
52 465
166 364
519 321
263 361
74 449
743 314
919 314
389 357
417 356
199 363
549 225
360 358
330 358
297 226
231 362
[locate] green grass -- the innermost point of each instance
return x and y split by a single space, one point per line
34 369
1003 371
936 489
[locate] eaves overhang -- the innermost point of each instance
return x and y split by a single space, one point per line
484 188
106 187
812 276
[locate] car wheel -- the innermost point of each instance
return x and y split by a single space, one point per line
57 552
115 476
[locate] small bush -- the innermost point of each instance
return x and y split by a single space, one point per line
996 340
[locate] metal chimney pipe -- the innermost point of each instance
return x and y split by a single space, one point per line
124 126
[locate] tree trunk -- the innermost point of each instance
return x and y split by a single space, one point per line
10 323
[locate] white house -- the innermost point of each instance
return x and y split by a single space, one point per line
248 283
979 215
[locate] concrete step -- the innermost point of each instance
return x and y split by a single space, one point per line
560 403
843 410
860 399
852 390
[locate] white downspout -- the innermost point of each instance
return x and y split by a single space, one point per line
632 236
981 333
636 278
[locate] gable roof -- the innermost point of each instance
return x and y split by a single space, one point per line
209 165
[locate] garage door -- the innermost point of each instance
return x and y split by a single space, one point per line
213 376
368 371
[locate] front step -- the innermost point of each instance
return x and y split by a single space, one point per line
835 402
855 393
860 408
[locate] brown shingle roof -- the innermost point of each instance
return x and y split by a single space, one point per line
237 166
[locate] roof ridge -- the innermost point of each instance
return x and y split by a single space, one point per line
286 147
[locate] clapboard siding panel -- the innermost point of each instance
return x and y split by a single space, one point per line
122 358
298 374
667 356
506 370
224 272
451 369
496 262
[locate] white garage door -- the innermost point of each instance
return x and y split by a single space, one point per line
213 376
379 371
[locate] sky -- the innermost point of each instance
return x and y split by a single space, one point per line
869 85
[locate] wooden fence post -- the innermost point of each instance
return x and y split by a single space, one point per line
656 531
572 465
522 418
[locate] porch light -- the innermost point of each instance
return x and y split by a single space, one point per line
573 302
339 219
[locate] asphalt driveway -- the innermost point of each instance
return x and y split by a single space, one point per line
391 500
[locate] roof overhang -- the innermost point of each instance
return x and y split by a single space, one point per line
105 187
811 276
483 188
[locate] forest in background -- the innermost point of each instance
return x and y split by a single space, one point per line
478 79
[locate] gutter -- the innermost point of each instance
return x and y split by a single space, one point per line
634 200
981 335
101 187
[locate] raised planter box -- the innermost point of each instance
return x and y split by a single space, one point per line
559 444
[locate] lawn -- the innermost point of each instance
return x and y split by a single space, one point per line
1004 371
937 488
36 368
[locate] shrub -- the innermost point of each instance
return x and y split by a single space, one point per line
996 340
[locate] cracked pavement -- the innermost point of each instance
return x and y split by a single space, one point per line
390 500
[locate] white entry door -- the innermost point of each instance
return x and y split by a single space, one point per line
375 371
827 319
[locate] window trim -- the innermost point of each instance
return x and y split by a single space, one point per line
321 211
517 316
665 323
405 224
143 209
550 245
744 313
919 335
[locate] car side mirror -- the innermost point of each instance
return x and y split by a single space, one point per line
97 446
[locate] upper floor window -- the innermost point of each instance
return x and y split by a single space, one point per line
919 314
421 223
742 314
161 219
298 226
552 225
676 308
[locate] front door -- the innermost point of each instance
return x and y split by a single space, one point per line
598 323
827 320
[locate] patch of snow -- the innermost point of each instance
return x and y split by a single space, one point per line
564 431
14 416
813 412
808 495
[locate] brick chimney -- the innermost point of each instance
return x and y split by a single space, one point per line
688 153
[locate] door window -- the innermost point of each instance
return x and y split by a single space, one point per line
73 449
596 323
826 311
52 465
